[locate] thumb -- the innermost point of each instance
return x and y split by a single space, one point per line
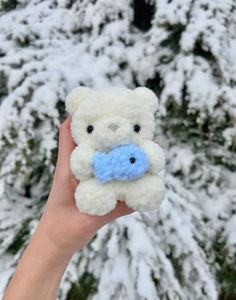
66 145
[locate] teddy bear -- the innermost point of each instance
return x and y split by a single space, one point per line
115 157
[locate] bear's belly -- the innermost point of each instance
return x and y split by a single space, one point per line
124 163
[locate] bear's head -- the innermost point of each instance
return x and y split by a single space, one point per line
108 117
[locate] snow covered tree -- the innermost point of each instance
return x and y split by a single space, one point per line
185 51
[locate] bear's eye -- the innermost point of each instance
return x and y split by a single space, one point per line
137 128
90 128
132 160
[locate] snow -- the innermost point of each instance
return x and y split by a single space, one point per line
49 47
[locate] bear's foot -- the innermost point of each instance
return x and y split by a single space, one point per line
95 198
145 193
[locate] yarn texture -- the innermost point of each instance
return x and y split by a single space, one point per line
115 157
123 163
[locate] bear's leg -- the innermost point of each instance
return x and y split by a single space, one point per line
95 198
145 193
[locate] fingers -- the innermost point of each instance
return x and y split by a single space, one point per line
66 145
96 222
64 183
120 210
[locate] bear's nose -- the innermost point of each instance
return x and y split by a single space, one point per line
113 126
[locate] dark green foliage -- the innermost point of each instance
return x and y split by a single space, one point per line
227 277
74 292
61 109
23 41
226 274
205 136
174 37
177 266
155 279
187 124
3 85
86 286
8 4
20 237
227 296
205 53
143 14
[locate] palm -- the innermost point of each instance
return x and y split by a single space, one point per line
68 225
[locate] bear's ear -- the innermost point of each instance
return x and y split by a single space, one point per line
75 97
149 97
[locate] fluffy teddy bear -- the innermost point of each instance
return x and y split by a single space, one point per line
115 158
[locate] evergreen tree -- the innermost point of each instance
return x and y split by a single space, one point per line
185 51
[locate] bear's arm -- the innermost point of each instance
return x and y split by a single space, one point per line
155 155
81 162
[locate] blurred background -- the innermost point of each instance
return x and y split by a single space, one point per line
186 52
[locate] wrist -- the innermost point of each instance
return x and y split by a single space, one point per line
46 237
67 236
39 272
48 248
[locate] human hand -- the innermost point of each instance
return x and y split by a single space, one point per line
62 230
63 223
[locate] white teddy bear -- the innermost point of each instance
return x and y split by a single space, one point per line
116 158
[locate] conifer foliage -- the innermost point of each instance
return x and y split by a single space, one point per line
186 52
